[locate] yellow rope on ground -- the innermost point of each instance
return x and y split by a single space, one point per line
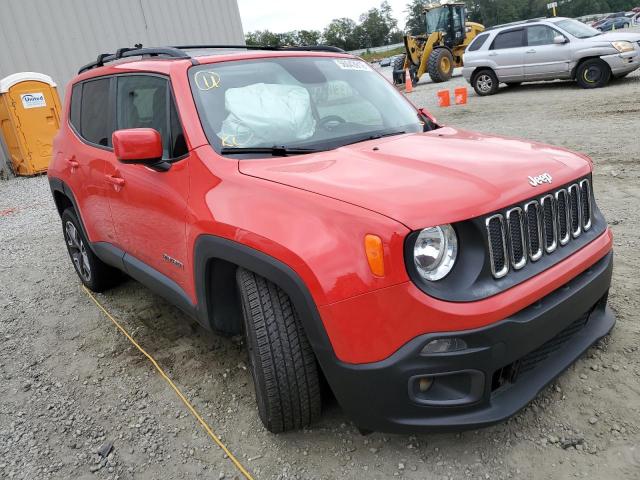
188 404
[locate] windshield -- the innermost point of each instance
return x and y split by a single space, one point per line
438 20
311 103
577 29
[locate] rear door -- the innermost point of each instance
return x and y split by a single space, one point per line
543 58
89 152
507 54
149 209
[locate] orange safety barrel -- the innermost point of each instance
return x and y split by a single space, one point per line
461 95
444 98
29 120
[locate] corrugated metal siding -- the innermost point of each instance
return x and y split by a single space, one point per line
57 37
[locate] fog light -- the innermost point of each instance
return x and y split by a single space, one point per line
444 345
425 383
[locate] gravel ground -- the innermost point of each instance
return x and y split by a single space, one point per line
78 401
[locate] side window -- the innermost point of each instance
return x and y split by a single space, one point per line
74 110
95 125
142 103
540 35
145 101
509 39
478 42
178 145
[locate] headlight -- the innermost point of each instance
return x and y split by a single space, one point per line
435 251
623 46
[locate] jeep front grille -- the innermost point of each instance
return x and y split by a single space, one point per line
525 233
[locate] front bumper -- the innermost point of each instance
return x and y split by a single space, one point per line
621 63
503 367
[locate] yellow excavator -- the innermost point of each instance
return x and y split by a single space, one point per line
440 49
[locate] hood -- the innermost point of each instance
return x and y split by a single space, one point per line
426 179
616 36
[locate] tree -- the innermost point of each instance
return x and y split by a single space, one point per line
340 33
377 26
415 17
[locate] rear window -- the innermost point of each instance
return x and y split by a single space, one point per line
478 42
509 39
95 124
74 114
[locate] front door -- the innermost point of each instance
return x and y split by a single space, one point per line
149 207
543 58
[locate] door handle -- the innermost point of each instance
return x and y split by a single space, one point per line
117 181
531 51
72 162
494 54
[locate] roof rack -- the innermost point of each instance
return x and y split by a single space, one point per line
135 52
515 24
178 52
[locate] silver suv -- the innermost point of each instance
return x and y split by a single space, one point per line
549 49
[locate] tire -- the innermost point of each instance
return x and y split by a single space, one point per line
281 360
485 82
398 69
93 272
593 73
440 65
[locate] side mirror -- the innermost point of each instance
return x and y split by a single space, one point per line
559 40
430 119
140 146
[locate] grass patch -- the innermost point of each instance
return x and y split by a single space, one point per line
373 56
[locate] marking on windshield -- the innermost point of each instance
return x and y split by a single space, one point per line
348 64
207 80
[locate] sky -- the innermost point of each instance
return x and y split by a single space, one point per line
285 15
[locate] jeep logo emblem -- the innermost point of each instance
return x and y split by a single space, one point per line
540 179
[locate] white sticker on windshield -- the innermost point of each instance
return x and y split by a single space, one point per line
348 64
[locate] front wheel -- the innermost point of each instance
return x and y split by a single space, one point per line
282 363
593 73
485 82
440 65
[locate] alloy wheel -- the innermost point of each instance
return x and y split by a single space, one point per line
78 251
485 83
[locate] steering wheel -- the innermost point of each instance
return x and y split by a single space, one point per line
330 122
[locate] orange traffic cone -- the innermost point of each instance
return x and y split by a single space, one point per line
407 81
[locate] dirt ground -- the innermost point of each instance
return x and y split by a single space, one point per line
70 383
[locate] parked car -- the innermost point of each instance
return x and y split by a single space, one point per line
385 62
549 49
436 278
608 17
614 24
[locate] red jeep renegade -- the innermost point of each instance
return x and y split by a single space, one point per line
437 278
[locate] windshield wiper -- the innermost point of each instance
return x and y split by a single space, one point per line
276 151
376 136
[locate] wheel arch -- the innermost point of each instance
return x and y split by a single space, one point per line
574 71
477 70
216 260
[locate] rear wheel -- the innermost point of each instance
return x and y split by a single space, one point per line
281 360
485 82
593 73
93 272
440 65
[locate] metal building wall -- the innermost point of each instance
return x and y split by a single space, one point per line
57 37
